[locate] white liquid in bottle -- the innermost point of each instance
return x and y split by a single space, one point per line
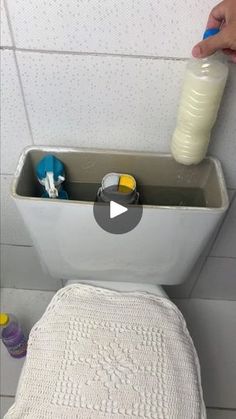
203 89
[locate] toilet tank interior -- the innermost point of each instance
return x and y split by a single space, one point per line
159 177
182 206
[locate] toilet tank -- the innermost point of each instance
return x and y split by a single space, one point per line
161 249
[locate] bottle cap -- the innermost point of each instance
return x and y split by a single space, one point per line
210 32
4 319
126 182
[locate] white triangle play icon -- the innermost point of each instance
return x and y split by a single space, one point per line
116 209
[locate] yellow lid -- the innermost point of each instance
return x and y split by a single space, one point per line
126 182
4 319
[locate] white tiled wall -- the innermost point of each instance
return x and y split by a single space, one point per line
21 268
13 230
15 132
96 101
153 27
5 38
225 245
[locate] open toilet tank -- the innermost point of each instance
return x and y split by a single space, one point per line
162 248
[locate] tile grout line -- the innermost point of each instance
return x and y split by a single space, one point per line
93 53
221 257
6 174
16 245
228 409
199 298
13 49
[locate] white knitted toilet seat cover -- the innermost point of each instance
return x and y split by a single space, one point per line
100 354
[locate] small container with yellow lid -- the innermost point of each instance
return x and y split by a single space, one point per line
118 187
12 335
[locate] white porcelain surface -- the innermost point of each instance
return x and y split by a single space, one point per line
105 102
221 414
217 279
212 325
5 404
21 268
160 240
223 144
184 290
123 286
225 245
5 37
28 306
14 129
154 27
12 229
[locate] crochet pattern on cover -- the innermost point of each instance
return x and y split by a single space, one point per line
100 354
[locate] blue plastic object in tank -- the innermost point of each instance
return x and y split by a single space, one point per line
52 164
210 32
62 194
51 173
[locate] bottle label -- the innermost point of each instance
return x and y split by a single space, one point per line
19 349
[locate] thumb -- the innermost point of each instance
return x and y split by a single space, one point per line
210 45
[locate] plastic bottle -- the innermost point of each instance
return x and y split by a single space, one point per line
12 335
202 92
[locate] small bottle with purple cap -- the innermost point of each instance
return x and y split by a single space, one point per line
12 335
202 91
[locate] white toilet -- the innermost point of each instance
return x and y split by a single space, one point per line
161 250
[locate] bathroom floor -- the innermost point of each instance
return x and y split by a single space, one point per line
203 317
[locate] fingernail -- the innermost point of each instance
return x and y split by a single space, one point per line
196 51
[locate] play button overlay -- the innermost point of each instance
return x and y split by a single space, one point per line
116 209
116 218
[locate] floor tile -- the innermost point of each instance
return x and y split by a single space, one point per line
217 279
28 306
212 324
5 404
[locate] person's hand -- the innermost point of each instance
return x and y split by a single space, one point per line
223 16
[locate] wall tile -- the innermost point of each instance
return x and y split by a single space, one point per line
95 101
225 245
5 37
223 143
21 268
212 325
5 404
221 414
153 27
14 129
115 102
217 280
12 228
28 306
